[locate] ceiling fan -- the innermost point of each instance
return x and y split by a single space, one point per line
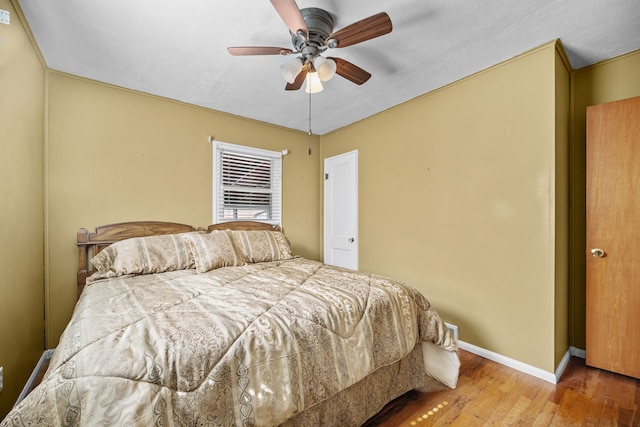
312 34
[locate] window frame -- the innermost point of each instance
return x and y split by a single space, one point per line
274 157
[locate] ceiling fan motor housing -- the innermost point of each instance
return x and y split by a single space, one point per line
320 25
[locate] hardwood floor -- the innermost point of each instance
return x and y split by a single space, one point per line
492 394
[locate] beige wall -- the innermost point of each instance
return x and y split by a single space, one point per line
604 82
117 155
21 215
457 197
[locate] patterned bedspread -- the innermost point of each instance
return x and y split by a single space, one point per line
241 346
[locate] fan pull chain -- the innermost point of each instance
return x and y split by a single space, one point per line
309 139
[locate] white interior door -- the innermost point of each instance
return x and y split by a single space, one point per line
341 210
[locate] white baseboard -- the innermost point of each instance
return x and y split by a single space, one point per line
551 377
562 366
578 352
32 379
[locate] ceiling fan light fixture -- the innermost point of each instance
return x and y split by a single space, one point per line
326 68
314 85
290 70
312 33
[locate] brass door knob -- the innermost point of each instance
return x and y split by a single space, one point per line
597 253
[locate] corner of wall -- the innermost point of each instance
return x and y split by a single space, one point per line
562 87
563 55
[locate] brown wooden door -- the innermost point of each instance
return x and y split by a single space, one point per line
613 226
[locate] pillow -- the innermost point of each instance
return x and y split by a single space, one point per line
262 245
214 250
144 255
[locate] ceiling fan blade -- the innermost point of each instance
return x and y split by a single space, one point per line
350 71
290 14
363 30
258 50
297 83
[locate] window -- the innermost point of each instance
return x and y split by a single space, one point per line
247 184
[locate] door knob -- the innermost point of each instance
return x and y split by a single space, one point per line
597 253
351 239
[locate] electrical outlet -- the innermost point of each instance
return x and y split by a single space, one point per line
1 376
5 17
453 329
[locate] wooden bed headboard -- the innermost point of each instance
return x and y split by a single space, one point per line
89 244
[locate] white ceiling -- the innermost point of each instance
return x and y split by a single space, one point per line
177 49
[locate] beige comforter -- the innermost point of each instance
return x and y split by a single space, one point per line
241 346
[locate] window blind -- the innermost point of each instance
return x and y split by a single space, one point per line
247 184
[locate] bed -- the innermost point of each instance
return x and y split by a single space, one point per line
225 326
